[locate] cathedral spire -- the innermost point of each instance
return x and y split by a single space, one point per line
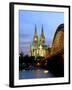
35 33
35 29
35 38
42 32
42 37
42 28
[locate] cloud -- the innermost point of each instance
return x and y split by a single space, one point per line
24 43
22 35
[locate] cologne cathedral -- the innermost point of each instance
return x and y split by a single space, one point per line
38 47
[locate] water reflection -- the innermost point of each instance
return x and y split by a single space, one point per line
39 73
45 71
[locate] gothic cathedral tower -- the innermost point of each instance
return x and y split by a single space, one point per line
42 38
38 47
35 38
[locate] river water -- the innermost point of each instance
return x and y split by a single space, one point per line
39 73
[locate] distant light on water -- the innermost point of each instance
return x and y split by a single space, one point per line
45 71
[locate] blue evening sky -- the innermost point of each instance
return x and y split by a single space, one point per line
27 22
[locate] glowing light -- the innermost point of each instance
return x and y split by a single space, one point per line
35 39
40 47
38 64
45 71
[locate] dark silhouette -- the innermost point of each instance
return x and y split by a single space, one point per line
56 65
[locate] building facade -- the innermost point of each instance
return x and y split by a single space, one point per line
38 47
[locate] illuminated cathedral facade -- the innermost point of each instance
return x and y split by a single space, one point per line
38 47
